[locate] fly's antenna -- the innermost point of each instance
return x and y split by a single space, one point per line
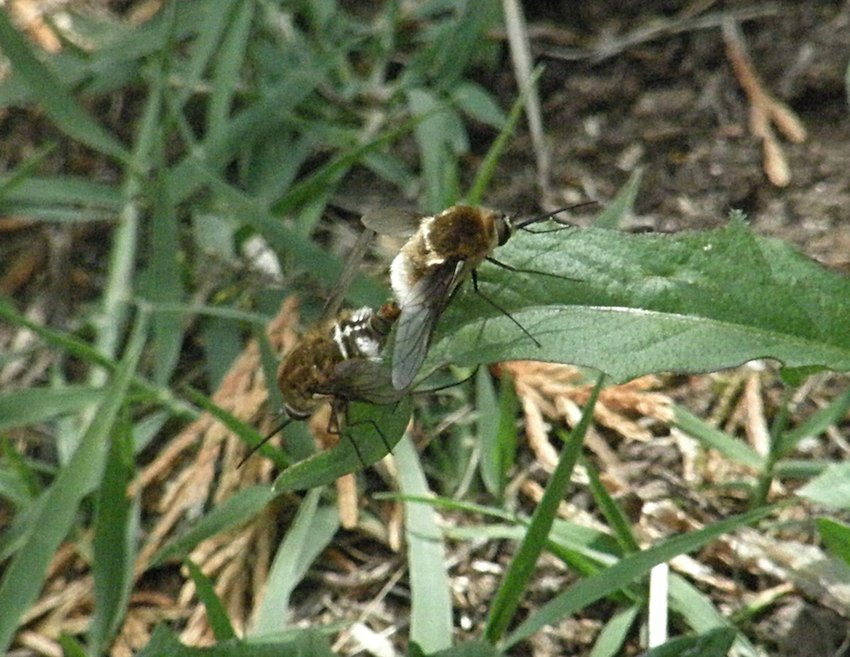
265 439
523 225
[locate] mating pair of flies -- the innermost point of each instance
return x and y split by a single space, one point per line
340 359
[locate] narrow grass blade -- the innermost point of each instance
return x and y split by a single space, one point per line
613 635
618 209
487 169
216 613
627 570
23 407
24 575
710 437
486 405
515 582
431 615
836 537
616 517
84 351
49 91
164 278
229 62
310 532
233 512
115 534
245 432
697 610
814 425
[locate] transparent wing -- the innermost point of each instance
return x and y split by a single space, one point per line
419 315
349 271
394 222
358 379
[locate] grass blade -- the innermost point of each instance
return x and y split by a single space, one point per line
216 613
24 575
310 532
62 108
630 568
431 622
519 572
116 529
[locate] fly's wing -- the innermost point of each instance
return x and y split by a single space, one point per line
359 379
394 222
420 311
349 271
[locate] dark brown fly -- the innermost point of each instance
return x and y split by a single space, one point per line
441 251
338 360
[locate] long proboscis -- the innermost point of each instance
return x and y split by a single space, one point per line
265 439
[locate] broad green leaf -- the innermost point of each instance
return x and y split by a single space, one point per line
836 536
367 432
636 304
831 488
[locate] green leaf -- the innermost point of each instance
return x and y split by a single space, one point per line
366 434
475 101
216 613
431 601
613 635
165 281
487 169
116 531
713 438
49 91
836 536
24 575
23 407
622 204
309 534
700 614
635 304
236 510
628 569
492 467
832 488
714 643
515 582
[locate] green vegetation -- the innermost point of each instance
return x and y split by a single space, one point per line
243 120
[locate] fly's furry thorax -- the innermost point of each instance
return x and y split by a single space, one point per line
461 234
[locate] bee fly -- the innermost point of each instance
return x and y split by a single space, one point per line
441 251
338 360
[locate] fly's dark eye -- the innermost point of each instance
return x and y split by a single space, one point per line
504 228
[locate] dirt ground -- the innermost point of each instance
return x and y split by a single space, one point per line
670 103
